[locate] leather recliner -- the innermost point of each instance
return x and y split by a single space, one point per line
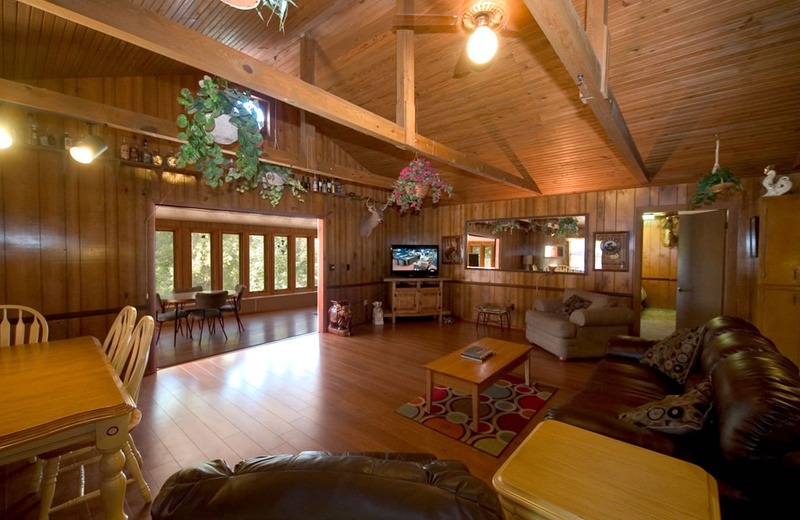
316 485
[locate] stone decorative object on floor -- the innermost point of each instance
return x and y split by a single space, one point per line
340 316
377 313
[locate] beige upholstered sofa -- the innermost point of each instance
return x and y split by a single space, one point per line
585 333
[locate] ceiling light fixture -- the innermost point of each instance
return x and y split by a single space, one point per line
482 44
5 138
88 149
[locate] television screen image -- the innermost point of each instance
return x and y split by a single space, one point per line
415 261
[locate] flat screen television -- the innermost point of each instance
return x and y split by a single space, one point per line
415 261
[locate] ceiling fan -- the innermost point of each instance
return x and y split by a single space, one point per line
483 19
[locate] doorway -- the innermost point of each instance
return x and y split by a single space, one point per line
682 269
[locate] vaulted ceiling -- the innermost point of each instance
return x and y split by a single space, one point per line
681 72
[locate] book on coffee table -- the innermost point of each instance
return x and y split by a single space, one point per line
477 353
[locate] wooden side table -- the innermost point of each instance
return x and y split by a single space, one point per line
498 313
562 472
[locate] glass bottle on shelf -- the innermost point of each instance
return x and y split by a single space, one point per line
157 159
33 136
124 152
146 156
66 141
171 161
44 137
328 186
133 150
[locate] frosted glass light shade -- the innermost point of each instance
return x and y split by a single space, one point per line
88 149
482 45
5 138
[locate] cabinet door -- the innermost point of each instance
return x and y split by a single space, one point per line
430 300
780 320
405 301
781 240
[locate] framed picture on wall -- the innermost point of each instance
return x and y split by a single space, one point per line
452 246
611 251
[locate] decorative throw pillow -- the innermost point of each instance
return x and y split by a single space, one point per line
676 354
572 304
675 414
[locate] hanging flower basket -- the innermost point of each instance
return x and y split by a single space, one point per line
414 183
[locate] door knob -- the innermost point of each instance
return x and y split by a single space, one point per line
681 289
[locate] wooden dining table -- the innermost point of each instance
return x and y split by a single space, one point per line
63 393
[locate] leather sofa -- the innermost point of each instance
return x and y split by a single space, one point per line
585 332
346 486
751 441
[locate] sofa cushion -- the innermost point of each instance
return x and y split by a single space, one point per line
572 304
726 343
675 414
598 300
551 323
676 354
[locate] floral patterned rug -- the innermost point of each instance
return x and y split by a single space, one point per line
505 409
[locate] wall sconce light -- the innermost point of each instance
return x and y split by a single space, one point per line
88 149
5 138
483 43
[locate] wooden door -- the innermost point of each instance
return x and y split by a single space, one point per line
781 238
780 319
701 267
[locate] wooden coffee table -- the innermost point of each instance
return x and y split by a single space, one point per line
474 376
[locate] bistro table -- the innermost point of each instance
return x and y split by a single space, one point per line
59 394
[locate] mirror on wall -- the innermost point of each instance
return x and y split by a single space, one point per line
556 244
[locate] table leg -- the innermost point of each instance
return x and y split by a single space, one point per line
528 363
428 390
476 400
111 434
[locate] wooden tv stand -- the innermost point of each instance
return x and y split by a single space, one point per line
415 297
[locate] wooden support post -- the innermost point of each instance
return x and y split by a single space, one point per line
308 132
406 104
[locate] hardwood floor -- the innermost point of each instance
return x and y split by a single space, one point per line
316 391
259 328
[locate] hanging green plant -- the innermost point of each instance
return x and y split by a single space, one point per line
219 114
715 184
567 226
277 8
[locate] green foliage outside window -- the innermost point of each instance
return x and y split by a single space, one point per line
201 260
301 262
281 263
257 262
230 262
165 262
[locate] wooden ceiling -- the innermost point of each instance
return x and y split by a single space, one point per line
681 72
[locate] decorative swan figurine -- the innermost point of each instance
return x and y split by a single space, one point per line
783 185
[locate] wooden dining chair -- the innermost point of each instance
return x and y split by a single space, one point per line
119 335
134 355
207 306
234 305
20 325
164 316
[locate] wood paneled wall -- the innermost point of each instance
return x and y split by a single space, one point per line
659 267
612 210
77 240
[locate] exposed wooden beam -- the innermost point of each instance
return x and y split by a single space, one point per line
597 32
561 25
40 99
406 104
133 24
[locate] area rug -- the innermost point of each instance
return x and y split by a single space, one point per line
505 408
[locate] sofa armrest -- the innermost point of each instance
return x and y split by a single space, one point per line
628 347
603 316
547 304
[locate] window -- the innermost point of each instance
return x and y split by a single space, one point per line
300 262
201 260
165 262
281 263
231 261
257 263
576 248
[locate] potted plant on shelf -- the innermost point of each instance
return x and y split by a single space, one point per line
414 183
218 114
